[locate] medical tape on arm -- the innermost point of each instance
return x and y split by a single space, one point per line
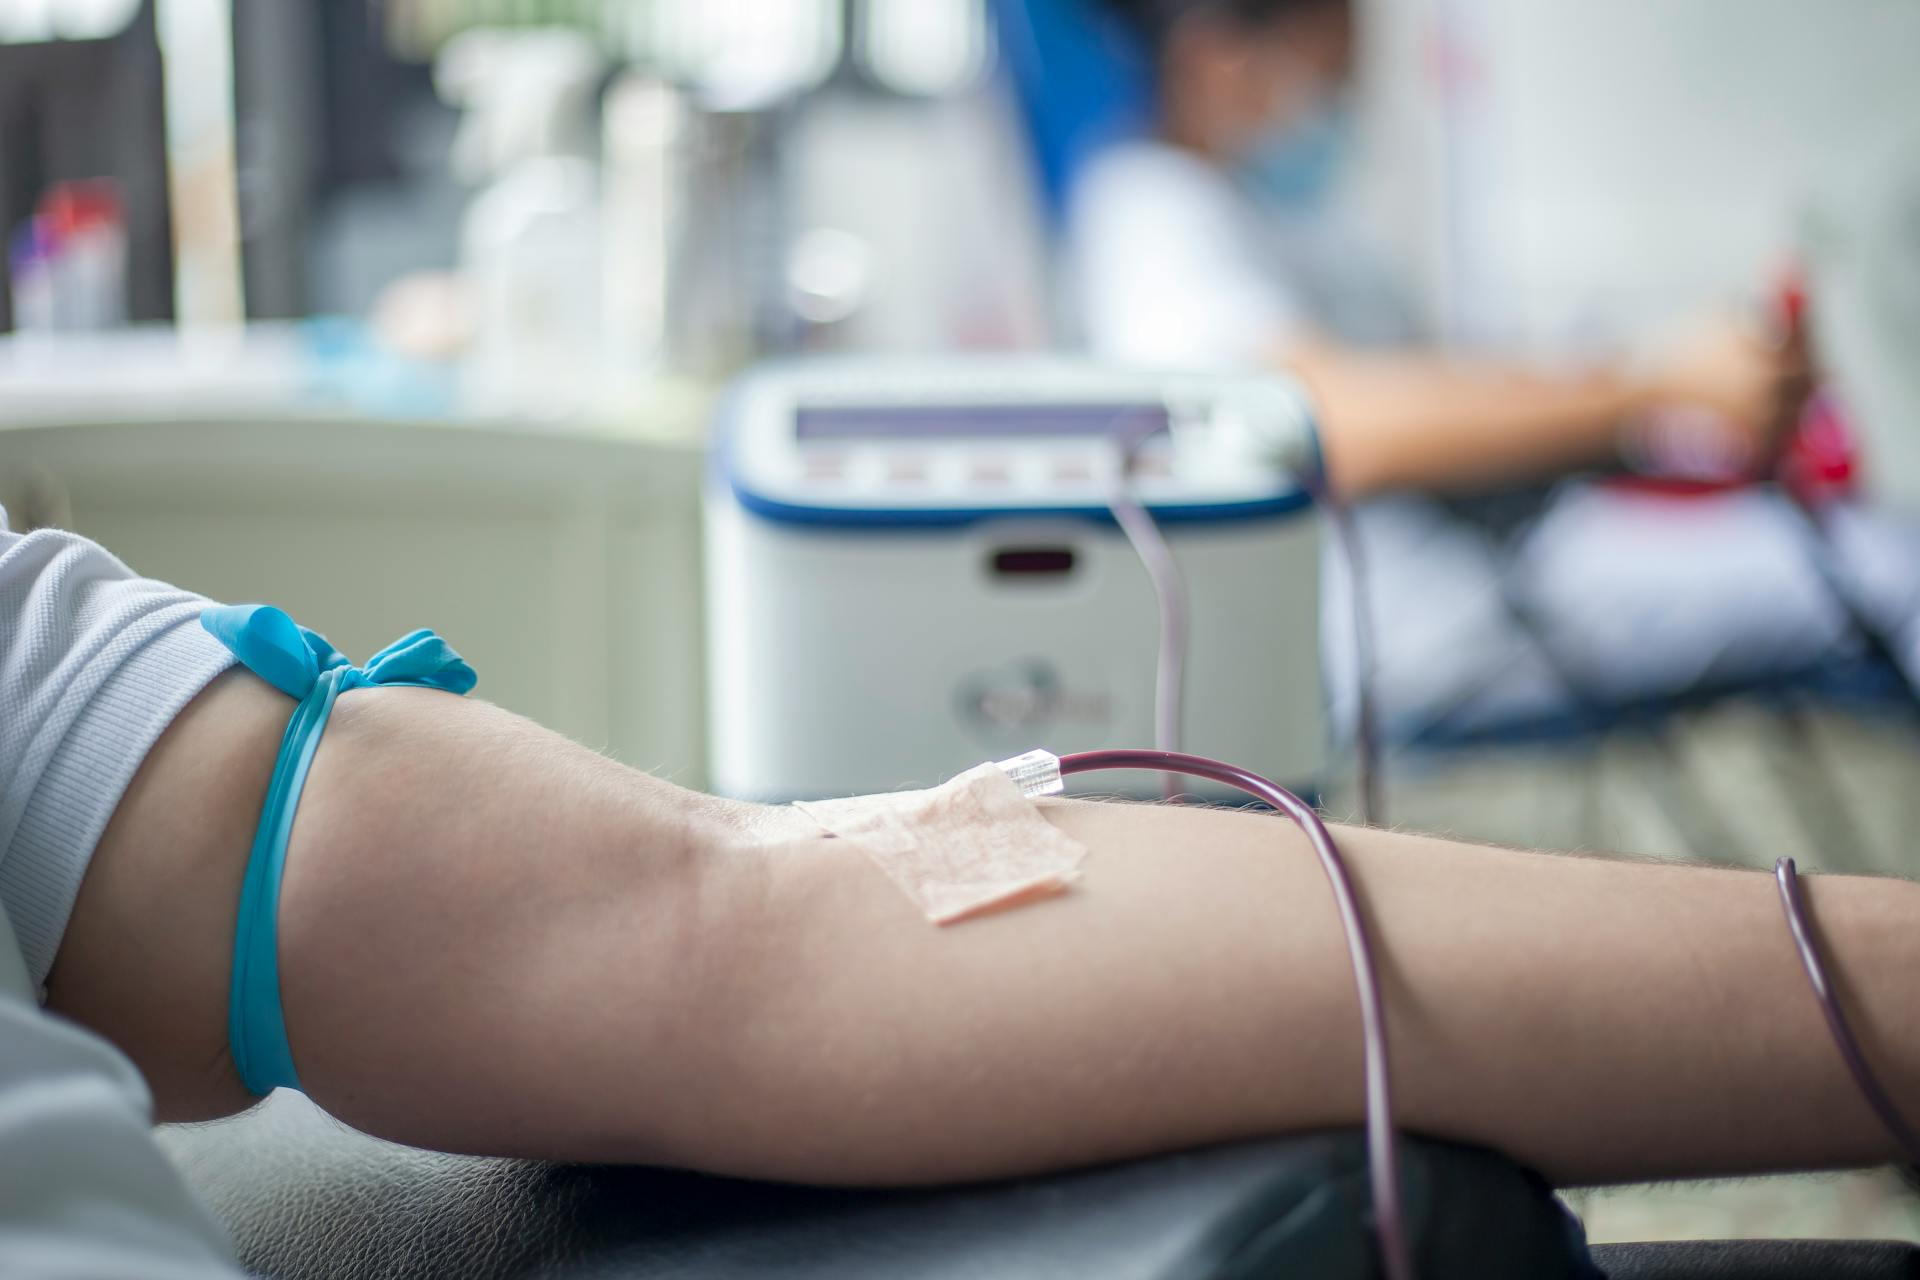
974 845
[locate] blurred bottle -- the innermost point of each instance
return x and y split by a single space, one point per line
644 142
30 270
68 263
89 229
530 242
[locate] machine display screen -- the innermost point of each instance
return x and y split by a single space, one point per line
976 421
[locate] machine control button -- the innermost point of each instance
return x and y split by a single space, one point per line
992 472
907 470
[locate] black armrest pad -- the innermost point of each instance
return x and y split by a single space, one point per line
306 1197
1760 1260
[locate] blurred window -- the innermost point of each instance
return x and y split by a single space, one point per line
924 47
740 54
23 21
745 53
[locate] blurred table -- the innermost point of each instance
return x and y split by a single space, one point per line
561 556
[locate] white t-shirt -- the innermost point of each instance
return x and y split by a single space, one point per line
1173 264
95 662
84 1188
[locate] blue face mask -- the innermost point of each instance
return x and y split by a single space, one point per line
1295 167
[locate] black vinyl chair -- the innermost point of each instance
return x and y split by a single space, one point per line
307 1198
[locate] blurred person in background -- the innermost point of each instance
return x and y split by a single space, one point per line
1216 242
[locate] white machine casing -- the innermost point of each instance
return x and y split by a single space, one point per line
912 568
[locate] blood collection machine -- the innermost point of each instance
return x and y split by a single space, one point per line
914 567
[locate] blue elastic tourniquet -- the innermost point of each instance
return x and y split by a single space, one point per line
301 664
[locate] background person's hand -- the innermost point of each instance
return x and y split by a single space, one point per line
1737 378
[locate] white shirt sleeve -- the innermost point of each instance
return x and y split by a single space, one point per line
95 663
85 1191
1166 268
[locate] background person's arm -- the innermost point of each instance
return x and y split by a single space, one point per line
1394 420
1171 272
494 940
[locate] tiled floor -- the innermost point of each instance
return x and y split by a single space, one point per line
1867 1205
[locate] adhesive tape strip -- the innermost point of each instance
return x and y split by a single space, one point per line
966 848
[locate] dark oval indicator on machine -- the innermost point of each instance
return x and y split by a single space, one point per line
1032 562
